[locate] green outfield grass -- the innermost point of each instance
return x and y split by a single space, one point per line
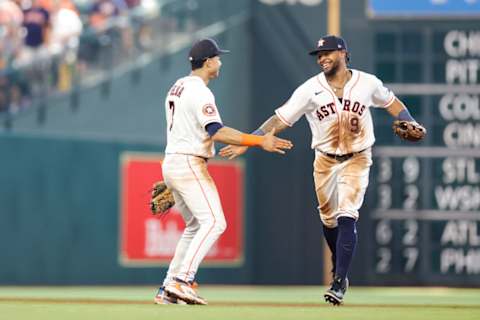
239 302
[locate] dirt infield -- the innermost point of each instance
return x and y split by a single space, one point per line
225 303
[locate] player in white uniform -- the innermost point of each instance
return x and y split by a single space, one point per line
336 103
193 124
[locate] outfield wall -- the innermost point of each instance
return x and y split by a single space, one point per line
408 233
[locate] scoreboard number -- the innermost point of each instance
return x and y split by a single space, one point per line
410 237
411 192
384 261
411 255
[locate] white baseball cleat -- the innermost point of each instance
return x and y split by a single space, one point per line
185 291
163 297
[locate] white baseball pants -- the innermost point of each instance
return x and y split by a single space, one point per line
340 186
197 199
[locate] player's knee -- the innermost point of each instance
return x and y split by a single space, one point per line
347 223
345 218
221 225
217 225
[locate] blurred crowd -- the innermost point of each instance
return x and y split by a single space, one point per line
45 44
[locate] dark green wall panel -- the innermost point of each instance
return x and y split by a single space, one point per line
59 216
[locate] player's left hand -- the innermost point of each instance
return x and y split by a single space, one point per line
162 199
409 130
232 151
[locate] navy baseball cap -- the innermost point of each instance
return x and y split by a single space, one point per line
329 43
204 49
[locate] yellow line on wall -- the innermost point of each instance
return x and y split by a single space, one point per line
333 17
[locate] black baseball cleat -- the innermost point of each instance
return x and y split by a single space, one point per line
335 294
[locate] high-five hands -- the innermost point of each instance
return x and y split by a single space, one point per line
270 143
274 144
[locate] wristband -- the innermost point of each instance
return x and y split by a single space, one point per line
251 140
404 115
258 132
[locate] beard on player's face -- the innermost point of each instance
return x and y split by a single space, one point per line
329 62
334 69
335 63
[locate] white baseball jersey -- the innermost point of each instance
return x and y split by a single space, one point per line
338 127
189 107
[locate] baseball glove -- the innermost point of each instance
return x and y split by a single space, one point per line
409 130
162 198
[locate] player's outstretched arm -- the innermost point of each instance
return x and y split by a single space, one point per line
396 108
268 142
233 151
273 122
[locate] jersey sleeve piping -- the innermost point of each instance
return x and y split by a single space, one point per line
386 105
277 112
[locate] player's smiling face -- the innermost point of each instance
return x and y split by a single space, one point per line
329 61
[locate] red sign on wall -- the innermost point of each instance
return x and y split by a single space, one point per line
150 240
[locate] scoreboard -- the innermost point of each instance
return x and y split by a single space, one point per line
423 202
425 218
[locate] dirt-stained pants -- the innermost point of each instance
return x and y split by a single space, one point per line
340 186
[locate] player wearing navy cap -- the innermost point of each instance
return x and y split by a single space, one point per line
336 103
193 125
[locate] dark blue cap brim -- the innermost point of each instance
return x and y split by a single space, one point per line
315 52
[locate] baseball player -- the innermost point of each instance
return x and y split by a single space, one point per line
336 103
193 125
